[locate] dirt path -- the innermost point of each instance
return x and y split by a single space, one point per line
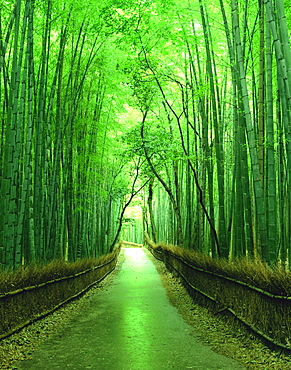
130 325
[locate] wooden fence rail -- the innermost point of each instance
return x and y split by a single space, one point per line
266 315
21 307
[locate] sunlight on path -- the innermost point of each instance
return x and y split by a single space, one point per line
129 326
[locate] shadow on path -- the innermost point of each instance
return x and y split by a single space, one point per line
129 326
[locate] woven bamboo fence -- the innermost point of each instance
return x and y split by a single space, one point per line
21 307
264 314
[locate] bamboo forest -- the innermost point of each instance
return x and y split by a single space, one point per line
125 119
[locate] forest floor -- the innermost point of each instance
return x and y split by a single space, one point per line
210 329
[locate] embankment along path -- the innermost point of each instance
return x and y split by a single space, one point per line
129 326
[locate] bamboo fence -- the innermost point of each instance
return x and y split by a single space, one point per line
22 307
264 314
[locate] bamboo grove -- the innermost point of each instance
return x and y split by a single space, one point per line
60 188
215 127
182 107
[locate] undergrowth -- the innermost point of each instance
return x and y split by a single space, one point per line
38 273
275 280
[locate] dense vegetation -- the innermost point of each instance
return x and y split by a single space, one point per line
181 107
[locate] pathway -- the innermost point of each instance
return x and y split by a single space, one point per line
129 326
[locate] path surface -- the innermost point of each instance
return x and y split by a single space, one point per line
129 326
